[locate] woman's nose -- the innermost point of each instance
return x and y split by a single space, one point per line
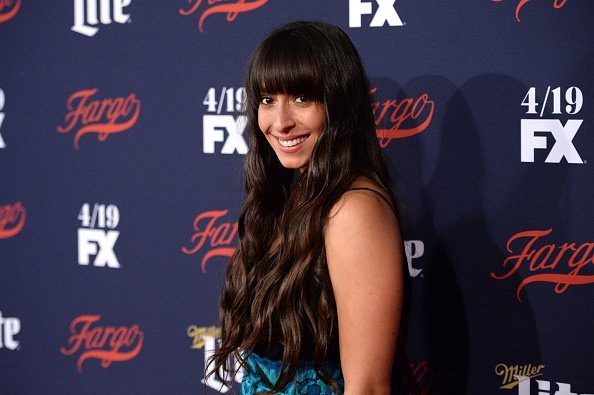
283 119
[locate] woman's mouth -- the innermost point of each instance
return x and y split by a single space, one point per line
291 145
293 142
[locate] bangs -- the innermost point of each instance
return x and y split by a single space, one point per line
286 65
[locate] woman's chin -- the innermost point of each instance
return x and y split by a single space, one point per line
294 165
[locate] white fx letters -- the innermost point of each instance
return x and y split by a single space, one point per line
385 13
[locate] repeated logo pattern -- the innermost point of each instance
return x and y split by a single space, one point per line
549 130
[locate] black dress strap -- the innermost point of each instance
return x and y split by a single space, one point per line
380 195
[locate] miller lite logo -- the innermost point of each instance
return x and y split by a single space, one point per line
90 13
384 13
9 328
524 378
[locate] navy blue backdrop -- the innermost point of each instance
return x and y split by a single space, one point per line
121 149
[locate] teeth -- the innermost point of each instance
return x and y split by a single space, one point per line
292 143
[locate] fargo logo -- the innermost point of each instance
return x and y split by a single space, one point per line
207 338
220 126
534 132
105 343
400 118
102 117
97 236
384 13
521 3
9 328
231 9
8 9
12 219
217 235
2 101
544 262
89 13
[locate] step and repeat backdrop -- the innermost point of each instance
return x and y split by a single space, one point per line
121 149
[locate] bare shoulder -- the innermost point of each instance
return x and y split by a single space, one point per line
365 199
362 220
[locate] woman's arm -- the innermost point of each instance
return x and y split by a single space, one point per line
365 261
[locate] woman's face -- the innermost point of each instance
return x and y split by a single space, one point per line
292 125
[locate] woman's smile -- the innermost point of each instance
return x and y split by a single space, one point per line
292 125
291 144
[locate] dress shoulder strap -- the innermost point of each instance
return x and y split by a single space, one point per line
379 194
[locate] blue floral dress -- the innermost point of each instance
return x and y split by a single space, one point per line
262 374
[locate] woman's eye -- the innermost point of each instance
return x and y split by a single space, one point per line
265 100
302 99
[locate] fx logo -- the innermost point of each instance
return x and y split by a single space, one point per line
563 135
9 327
213 126
385 13
100 243
85 16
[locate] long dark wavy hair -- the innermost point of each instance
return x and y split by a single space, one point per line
278 277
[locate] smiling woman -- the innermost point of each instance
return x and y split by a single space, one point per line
313 297
292 125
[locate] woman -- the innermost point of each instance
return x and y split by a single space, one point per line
313 297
